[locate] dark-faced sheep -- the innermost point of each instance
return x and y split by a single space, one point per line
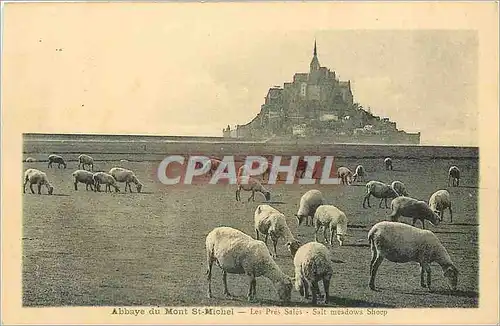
388 163
414 209
380 190
454 176
85 160
56 159
247 183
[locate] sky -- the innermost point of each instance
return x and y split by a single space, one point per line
194 69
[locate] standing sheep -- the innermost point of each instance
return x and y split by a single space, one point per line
127 176
271 222
379 190
34 176
359 174
313 263
85 160
415 209
388 163
454 176
237 253
402 243
251 184
439 201
309 202
345 174
400 188
56 159
104 178
83 176
329 216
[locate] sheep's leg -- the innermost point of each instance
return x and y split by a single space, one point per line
380 204
39 186
314 290
92 167
367 200
224 280
31 188
265 239
305 285
331 236
209 273
256 234
129 187
386 206
451 214
324 233
414 221
275 243
373 270
428 271
326 285
236 193
423 224
251 291
76 185
24 186
422 272
316 229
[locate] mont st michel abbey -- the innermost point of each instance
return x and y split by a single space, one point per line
318 106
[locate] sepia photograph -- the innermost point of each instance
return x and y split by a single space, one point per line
279 162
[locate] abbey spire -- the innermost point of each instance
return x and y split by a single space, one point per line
314 62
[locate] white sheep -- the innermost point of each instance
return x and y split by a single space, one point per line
400 188
271 222
313 263
330 217
85 160
106 179
414 209
56 159
359 174
388 163
238 253
29 159
34 176
247 183
123 161
83 176
127 176
454 176
345 175
439 201
309 202
402 243
380 190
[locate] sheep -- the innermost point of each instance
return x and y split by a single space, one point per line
251 184
415 209
454 176
379 190
271 222
359 173
214 165
329 216
29 160
238 253
34 176
56 159
402 243
123 161
439 201
83 176
400 188
388 163
309 202
313 263
105 178
85 160
127 176
345 174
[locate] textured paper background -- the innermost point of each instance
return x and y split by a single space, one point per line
482 17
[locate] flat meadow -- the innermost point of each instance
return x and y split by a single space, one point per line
85 248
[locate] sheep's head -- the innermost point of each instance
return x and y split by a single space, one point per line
284 289
293 246
451 274
434 218
139 187
340 239
50 189
300 218
64 163
267 194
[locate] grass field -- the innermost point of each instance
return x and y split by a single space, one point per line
82 248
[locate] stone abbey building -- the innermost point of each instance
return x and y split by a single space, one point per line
317 105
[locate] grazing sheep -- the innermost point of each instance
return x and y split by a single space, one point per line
83 176
251 184
34 176
313 263
345 174
415 209
85 160
309 202
439 201
379 190
237 253
29 159
127 176
400 188
330 217
359 174
402 243
454 176
123 161
271 222
104 178
56 159
388 163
